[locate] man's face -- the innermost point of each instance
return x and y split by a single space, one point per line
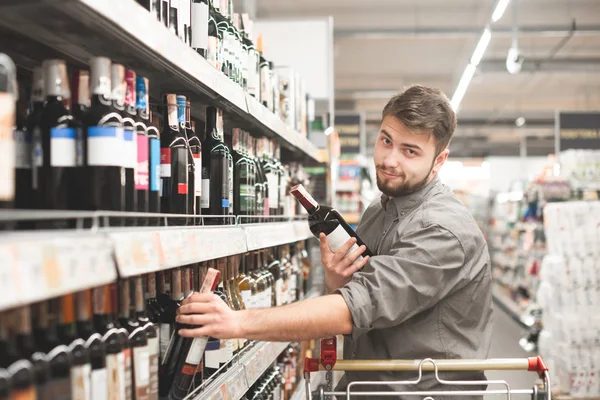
405 161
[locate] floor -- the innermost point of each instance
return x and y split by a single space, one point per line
505 344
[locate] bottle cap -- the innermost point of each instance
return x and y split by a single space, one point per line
55 73
119 85
307 201
130 93
100 76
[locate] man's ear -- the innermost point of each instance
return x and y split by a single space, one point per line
440 160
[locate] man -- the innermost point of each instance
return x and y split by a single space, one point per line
427 291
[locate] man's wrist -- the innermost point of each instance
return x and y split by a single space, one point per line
241 320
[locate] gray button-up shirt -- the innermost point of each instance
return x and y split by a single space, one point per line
427 291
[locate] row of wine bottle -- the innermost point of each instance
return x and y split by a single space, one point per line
119 341
101 149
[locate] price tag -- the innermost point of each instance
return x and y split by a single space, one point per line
9 277
51 269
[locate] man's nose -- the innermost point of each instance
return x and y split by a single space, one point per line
391 160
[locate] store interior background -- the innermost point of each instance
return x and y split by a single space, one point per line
504 152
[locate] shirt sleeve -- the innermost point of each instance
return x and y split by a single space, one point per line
421 269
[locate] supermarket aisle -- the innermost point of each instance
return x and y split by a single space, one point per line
505 344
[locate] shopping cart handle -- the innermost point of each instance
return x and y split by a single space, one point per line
538 365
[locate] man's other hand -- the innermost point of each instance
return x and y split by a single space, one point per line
341 265
216 318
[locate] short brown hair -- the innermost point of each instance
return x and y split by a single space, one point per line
424 110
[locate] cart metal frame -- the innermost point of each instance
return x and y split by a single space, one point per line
328 362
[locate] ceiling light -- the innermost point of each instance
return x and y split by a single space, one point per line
499 10
481 47
461 89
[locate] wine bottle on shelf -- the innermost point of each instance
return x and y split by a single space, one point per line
215 179
22 156
174 16
138 341
115 349
54 143
123 100
274 266
229 175
260 184
151 334
168 300
104 185
154 6
57 355
250 180
196 149
5 390
266 92
269 278
244 282
173 164
272 175
94 344
327 220
126 360
199 272
9 94
143 151
199 27
81 367
19 368
191 193
261 296
218 352
231 300
154 169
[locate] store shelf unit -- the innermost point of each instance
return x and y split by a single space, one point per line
38 265
502 299
128 34
236 381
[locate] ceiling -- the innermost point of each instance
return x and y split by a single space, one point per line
383 45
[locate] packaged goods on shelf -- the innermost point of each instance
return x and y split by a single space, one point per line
569 294
581 166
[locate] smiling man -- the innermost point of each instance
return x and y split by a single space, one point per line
426 292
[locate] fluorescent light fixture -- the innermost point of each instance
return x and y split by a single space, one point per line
499 10
461 89
481 47
329 131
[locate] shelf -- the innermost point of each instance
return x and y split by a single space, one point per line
127 33
38 265
236 381
511 308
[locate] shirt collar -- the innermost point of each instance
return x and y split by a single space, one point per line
409 201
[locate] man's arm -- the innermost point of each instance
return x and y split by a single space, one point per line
304 320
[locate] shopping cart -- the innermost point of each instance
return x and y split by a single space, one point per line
329 362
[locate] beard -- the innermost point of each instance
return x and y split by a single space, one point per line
402 189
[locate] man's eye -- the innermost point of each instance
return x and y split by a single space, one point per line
411 152
386 141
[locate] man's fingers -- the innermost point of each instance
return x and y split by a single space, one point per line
351 257
342 251
195 319
323 244
355 267
196 332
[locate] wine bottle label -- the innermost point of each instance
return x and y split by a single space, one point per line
225 203
154 167
246 197
165 338
196 351
212 355
165 162
106 146
63 147
273 181
59 389
338 238
22 149
212 50
128 376
154 355
173 115
99 385
198 175
141 170
115 373
141 370
181 110
205 199
130 148
80 382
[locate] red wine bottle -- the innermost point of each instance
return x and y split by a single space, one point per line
196 148
327 220
104 183
184 354
173 164
123 97
153 164
191 194
151 333
143 151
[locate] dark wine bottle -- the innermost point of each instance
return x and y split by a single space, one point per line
168 301
19 368
104 185
272 175
242 192
215 168
143 150
173 164
151 335
9 94
138 341
185 354
196 149
191 194
123 99
123 334
230 178
200 26
154 6
327 220
174 16
54 143
94 344
153 164
262 184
